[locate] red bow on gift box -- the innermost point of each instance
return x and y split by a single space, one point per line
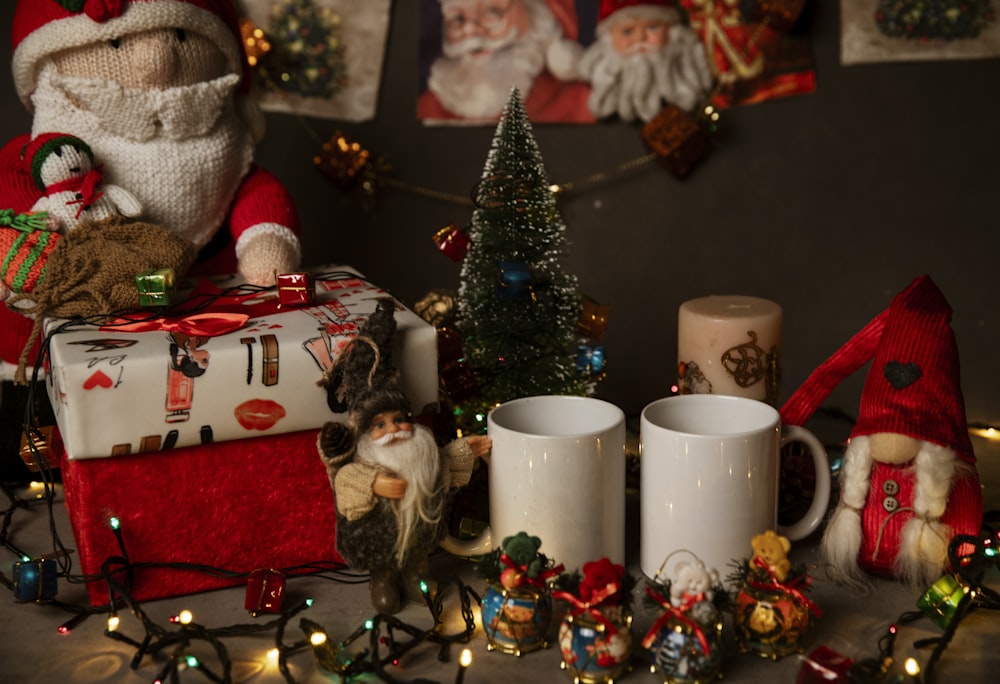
209 324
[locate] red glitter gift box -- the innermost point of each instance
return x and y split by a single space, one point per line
233 506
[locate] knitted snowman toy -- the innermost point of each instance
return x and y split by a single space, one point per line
63 167
159 91
908 482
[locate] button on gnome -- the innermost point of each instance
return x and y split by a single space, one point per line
391 481
159 91
909 482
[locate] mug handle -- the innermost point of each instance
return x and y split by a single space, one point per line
479 545
821 498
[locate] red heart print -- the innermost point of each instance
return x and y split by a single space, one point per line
98 379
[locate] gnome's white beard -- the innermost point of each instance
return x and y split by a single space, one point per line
181 151
418 461
636 85
478 86
924 539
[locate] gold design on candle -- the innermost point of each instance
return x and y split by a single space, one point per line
748 364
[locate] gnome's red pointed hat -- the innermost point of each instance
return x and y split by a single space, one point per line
913 385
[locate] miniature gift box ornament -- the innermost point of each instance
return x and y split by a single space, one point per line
941 600
595 636
517 606
771 611
156 287
265 591
36 580
295 289
685 641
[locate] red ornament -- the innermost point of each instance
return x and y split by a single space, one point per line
823 665
453 242
677 139
295 289
265 591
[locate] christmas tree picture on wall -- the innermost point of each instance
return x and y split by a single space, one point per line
517 309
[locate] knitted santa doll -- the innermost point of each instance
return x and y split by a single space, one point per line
159 91
909 481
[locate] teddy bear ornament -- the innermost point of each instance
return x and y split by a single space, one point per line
771 611
517 606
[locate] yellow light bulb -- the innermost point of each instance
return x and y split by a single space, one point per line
912 667
113 622
317 638
185 617
466 658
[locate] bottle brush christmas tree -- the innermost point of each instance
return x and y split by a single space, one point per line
517 309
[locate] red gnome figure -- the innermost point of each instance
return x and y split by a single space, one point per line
909 481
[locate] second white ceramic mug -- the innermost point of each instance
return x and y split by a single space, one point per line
556 471
710 466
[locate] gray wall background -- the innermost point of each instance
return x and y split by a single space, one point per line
828 203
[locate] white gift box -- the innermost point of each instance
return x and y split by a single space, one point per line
117 392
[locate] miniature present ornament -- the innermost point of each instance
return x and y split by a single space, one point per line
453 242
265 591
36 452
35 580
677 139
295 289
156 287
514 282
941 600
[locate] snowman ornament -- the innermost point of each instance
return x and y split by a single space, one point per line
63 167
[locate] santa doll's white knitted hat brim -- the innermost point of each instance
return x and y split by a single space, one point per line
43 27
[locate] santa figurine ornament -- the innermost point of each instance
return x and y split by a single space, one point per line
159 90
390 480
908 482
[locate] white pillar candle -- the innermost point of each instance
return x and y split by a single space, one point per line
729 344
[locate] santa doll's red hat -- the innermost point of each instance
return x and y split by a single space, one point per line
44 27
913 385
664 9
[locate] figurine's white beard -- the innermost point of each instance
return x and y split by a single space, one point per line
418 461
182 152
637 85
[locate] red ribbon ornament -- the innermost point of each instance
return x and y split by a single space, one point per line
210 324
538 581
672 612
592 607
784 588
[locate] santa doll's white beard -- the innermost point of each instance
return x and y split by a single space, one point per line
182 152
418 461
478 86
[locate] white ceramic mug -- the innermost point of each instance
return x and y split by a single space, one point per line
710 466
557 472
